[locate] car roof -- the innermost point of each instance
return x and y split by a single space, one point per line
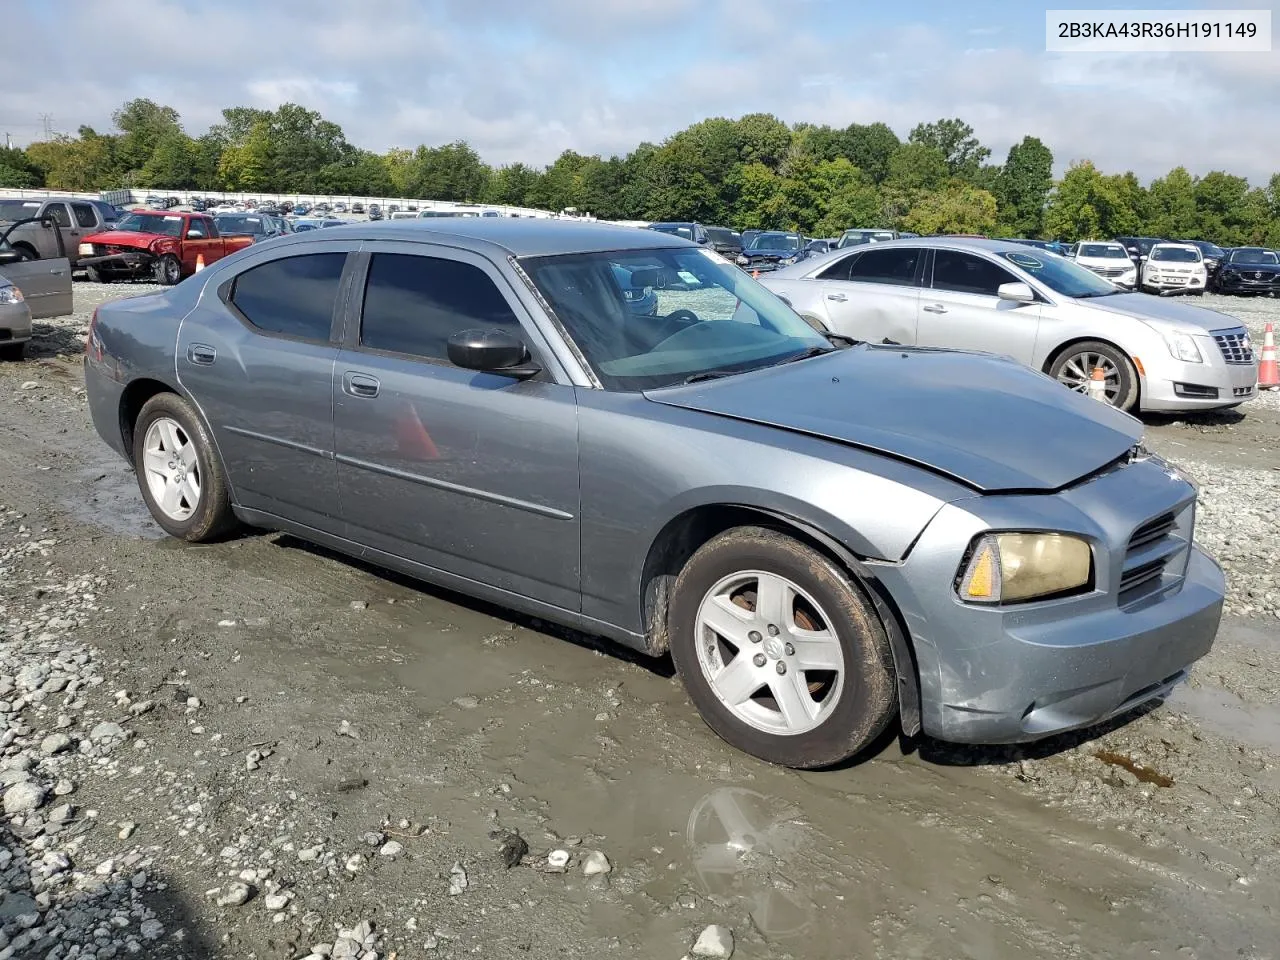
514 236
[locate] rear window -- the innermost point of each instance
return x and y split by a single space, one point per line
293 297
18 209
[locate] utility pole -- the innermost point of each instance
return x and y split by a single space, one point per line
47 120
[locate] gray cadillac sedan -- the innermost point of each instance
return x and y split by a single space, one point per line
823 534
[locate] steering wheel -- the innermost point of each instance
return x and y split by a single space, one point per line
676 321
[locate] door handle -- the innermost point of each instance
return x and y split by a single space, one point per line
837 297
202 354
934 308
359 384
56 272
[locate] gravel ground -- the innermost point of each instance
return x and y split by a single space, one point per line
256 749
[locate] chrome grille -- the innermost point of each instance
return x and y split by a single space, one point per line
1234 345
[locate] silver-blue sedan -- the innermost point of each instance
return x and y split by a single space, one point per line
823 534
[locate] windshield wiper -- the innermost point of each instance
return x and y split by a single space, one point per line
805 355
709 375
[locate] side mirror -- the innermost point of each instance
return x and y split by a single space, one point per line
703 240
491 351
1143 258
46 224
1017 292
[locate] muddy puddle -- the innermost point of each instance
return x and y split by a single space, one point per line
1227 714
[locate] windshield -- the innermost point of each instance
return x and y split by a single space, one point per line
1103 251
720 235
1254 256
1211 250
1061 275
241 226
709 317
776 241
1176 254
18 209
158 223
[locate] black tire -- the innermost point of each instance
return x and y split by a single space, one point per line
867 700
168 270
1126 397
25 252
12 352
212 516
92 274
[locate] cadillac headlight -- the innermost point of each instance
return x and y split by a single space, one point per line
10 294
1183 347
1013 567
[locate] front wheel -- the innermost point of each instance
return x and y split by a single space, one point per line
179 472
1074 368
168 270
93 274
780 650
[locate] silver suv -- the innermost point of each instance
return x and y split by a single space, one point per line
1034 306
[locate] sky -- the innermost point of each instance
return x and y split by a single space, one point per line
527 79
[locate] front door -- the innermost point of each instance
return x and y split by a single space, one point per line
198 247
471 473
259 357
960 309
45 285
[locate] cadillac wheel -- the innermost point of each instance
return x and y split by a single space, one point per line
178 471
1075 365
780 650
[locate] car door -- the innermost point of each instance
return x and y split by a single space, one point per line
471 473
45 285
198 247
874 294
960 309
258 356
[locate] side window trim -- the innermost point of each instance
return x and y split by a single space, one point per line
532 337
227 291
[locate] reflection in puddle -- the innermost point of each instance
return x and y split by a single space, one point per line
107 497
738 843
1224 712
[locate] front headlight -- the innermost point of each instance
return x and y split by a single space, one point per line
1183 347
1012 567
86 249
10 294
743 261
786 262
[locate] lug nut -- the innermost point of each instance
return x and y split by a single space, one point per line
791 651
782 667
754 636
758 660
773 630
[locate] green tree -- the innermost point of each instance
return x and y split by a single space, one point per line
917 166
762 138
758 201
250 165
79 163
453 171
302 143
1221 212
1173 205
848 198
870 147
174 164
144 124
513 184
955 140
957 208
1023 186
17 170
1088 205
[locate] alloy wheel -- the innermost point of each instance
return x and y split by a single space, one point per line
171 468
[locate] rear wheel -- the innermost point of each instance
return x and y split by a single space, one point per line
780 651
168 270
179 472
1074 367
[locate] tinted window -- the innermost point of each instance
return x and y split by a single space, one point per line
415 304
196 230
294 296
59 213
965 273
84 215
210 228
894 267
838 270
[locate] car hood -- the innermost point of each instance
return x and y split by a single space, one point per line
125 238
985 421
1162 309
1115 263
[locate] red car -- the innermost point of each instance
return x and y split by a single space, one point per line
166 245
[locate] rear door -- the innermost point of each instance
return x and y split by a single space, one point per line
874 294
258 356
960 308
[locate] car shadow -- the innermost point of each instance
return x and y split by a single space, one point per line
51 340
1204 418
659 666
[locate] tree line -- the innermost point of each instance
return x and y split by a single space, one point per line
755 171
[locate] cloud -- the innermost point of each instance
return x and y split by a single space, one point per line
524 81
